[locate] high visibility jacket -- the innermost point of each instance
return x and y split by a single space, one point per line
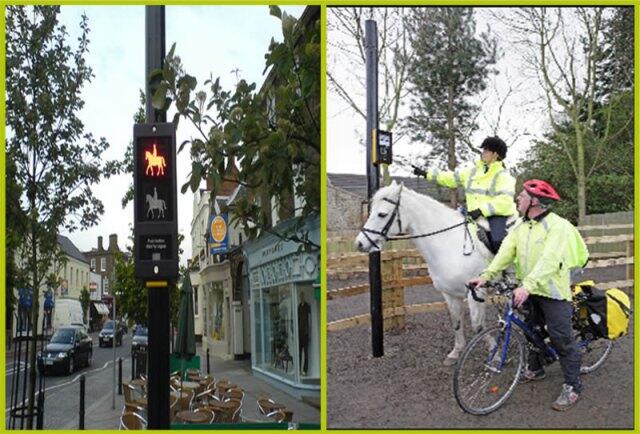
491 192
544 250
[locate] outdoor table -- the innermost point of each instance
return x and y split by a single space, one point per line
272 406
189 385
189 416
223 386
192 385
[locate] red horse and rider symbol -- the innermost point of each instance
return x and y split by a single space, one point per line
154 160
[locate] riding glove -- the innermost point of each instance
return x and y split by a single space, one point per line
418 171
475 214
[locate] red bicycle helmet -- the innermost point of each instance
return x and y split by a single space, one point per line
540 188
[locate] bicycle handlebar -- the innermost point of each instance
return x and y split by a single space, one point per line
500 287
474 294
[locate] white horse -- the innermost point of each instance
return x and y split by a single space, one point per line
156 204
453 256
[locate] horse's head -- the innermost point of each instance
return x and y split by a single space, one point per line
383 222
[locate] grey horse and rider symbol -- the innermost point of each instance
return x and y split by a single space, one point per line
154 204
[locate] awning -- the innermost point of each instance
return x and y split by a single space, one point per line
101 308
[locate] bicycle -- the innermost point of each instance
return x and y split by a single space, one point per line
488 371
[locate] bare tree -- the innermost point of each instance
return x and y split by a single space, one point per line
346 60
561 46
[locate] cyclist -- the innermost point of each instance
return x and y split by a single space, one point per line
544 247
489 187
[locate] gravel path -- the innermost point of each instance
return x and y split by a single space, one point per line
410 388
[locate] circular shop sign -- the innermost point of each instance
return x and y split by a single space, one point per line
218 229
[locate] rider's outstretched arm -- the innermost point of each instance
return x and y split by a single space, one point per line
448 178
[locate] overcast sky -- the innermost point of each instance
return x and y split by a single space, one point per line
523 117
209 39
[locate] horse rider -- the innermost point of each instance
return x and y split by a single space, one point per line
489 187
544 247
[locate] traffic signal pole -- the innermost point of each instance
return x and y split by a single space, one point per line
373 177
158 297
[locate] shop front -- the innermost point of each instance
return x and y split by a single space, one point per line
215 280
285 310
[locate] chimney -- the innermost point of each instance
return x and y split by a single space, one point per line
113 243
100 248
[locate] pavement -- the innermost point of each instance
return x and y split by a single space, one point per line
100 414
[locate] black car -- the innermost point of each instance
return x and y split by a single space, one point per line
69 347
140 339
105 337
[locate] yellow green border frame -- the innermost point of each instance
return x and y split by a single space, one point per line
323 189
515 3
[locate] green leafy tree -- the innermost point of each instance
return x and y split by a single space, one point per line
450 64
85 299
56 161
272 134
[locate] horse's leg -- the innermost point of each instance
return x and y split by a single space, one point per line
456 312
478 312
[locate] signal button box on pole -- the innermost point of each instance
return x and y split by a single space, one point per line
382 147
155 201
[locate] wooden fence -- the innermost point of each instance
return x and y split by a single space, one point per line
405 267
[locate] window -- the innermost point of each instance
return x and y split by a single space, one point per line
93 264
106 285
103 264
195 300
70 276
78 283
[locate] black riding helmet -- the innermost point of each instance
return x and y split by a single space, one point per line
495 144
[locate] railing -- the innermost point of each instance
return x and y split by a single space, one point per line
405 267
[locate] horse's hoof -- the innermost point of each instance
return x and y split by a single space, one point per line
450 361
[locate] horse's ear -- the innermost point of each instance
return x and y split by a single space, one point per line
402 184
393 182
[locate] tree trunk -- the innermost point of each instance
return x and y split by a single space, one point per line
580 175
451 145
35 307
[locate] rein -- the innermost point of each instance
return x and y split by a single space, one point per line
396 212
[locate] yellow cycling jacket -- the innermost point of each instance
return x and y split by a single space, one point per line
491 192
544 250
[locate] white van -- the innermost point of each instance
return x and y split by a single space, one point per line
67 311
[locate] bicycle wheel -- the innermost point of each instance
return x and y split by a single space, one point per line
478 385
594 353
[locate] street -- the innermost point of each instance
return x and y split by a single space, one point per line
62 392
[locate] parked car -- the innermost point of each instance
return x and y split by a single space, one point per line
140 339
69 348
105 337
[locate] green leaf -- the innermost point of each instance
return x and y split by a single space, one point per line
159 97
171 51
187 80
155 77
275 11
183 144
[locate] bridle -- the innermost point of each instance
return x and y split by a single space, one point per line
396 213
385 230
